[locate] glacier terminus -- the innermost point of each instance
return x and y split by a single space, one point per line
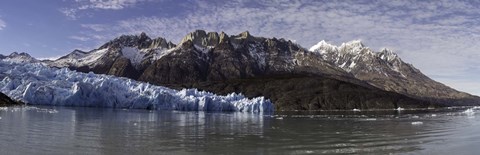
34 83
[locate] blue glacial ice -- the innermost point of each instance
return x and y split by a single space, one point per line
36 84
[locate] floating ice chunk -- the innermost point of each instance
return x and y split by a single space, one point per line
41 85
417 123
469 112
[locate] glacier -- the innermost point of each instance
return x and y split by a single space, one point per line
37 84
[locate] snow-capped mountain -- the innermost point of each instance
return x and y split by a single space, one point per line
19 57
34 83
354 57
385 70
124 56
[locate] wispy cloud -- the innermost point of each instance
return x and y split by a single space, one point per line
81 5
439 37
107 4
79 38
2 24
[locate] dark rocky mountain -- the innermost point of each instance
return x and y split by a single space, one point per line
293 77
217 57
387 71
6 101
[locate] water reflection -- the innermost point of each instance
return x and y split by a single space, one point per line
160 131
48 130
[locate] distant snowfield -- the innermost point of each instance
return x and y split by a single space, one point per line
36 84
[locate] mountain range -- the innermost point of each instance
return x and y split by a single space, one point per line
349 76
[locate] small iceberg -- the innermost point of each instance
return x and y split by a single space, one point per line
417 123
469 112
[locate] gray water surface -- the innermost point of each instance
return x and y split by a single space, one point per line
67 130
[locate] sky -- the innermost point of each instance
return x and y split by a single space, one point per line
439 37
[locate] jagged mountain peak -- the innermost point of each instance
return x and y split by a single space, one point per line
387 55
210 39
354 43
244 35
322 46
202 38
354 55
139 41
355 47
352 47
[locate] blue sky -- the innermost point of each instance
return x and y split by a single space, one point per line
441 38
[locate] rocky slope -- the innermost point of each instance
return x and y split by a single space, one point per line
6 101
291 76
387 71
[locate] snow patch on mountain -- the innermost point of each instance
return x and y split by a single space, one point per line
137 56
387 55
34 83
134 55
78 58
92 58
256 51
160 52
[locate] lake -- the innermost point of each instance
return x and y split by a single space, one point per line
69 130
